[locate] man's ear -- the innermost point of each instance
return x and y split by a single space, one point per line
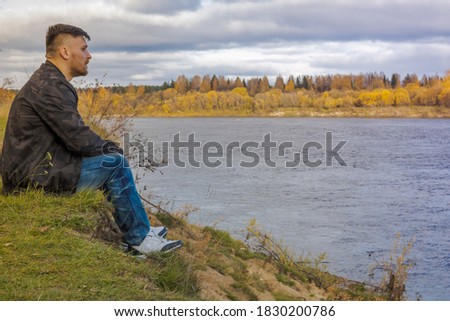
64 52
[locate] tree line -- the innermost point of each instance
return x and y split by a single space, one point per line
256 85
218 95
256 96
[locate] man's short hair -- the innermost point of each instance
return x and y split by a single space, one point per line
51 39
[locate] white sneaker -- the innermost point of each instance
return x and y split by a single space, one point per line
160 231
153 243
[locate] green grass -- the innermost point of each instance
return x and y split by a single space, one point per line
48 252
230 245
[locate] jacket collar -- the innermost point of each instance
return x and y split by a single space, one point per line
48 63
59 74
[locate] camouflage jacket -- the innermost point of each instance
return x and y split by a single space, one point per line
46 138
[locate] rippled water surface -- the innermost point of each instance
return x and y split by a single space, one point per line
397 180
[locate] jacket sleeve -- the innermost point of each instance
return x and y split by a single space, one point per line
57 107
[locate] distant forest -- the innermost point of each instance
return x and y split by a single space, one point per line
216 95
212 95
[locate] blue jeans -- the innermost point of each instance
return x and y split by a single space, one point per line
111 173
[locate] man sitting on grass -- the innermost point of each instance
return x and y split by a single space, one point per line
47 145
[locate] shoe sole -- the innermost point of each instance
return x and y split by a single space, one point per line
172 246
167 248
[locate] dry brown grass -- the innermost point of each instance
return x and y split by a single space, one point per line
229 269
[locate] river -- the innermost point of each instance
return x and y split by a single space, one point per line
345 187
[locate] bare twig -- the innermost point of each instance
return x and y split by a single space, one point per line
159 208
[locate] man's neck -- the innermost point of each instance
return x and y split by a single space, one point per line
62 68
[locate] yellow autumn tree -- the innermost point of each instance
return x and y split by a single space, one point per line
140 91
376 98
413 89
385 97
290 86
212 99
305 99
444 96
341 82
401 97
326 101
241 91
182 84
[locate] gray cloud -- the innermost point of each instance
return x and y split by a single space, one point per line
159 7
157 40
137 25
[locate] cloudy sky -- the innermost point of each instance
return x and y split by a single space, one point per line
149 42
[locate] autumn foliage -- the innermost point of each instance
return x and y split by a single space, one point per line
256 96
6 98
211 96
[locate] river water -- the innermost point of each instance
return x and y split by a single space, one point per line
387 176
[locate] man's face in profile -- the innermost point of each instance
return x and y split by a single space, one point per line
79 56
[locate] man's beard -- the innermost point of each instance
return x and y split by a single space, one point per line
79 73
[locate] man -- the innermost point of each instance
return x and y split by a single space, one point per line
47 144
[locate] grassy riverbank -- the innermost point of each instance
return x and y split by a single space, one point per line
65 248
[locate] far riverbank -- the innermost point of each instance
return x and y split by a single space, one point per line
343 112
